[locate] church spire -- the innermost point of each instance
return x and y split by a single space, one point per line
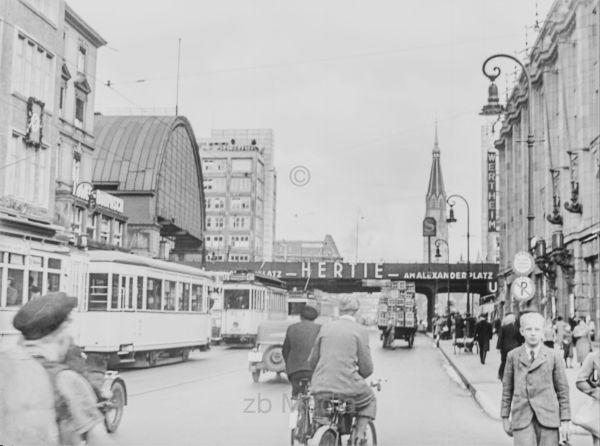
436 180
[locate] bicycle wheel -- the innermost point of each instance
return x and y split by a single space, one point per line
325 436
370 438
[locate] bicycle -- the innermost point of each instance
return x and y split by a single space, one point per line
335 419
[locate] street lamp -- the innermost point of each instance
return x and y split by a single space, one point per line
452 219
438 255
530 139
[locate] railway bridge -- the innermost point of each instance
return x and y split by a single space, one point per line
430 279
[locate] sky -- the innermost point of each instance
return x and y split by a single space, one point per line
352 90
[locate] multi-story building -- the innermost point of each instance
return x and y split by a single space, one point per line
563 65
307 251
47 81
239 207
435 207
263 138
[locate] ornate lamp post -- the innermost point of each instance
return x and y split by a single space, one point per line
530 138
451 219
438 255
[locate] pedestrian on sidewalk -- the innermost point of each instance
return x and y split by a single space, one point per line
591 326
549 335
560 330
567 346
483 334
588 382
581 337
509 338
535 384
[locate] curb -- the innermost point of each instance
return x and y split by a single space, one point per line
486 405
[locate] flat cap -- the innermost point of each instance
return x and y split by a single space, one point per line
308 312
349 304
42 315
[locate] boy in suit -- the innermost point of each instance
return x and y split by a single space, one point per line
536 384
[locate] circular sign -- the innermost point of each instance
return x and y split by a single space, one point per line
522 288
523 263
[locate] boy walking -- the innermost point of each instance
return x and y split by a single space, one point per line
536 384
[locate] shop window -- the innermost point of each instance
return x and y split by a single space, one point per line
118 233
104 229
92 222
153 294
77 223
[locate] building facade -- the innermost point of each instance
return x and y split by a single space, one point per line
38 250
563 65
263 138
234 184
435 207
307 251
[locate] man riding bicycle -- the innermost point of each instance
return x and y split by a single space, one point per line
341 359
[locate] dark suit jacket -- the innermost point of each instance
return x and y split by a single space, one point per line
299 339
483 331
539 388
341 358
509 338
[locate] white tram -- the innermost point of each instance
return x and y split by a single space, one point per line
249 299
296 301
141 311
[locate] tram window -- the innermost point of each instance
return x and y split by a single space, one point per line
294 308
35 284
53 282
196 297
170 295
114 297
98 294
54 263
140 293
237 299
184 299
153 294
14 288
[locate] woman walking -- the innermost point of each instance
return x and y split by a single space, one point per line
583 344
567 345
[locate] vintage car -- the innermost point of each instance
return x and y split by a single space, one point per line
267 356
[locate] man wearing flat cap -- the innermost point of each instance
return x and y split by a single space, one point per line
341 358
299 339
45 323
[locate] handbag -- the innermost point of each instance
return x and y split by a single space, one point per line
587 417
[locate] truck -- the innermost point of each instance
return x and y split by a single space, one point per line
396 316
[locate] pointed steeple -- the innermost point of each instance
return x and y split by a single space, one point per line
436 180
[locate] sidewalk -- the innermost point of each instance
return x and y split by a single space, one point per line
483 383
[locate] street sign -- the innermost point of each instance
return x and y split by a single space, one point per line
523 263
522 288
429 227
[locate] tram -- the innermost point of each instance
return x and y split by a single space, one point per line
140 311
248 299
297 300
